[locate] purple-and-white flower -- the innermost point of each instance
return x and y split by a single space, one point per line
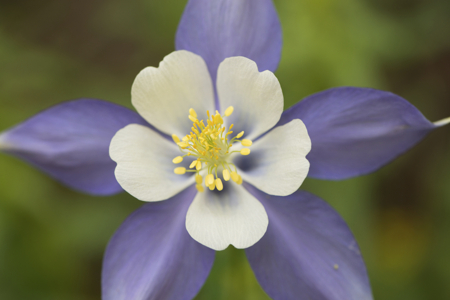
178 99
296 244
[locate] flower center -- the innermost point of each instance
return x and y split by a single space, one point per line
210 146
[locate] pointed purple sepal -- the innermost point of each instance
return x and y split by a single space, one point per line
355 131
308 252
70 142
152 256
219 29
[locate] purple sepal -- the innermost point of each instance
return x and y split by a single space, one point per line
308 252
219 29
355 131
152 256
70 142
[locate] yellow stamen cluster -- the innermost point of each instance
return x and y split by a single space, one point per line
209 145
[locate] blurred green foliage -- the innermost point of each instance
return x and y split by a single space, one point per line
52 239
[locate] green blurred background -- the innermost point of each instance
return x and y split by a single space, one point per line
52 239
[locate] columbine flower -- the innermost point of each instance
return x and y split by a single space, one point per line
307 249
178 98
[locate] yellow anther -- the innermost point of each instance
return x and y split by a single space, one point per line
212 185
179 170
192 113
193 119
234 176
226 175
219 184
183 144
246 143
200 188
229 111
193 164
209 146
177 160
245 151
209 179
218 119
175 138
198 179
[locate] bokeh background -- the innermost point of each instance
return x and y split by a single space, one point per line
52 239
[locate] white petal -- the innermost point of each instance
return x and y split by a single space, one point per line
232 216
164 95
277 163
256 97
144 164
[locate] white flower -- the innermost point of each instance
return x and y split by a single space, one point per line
178 99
